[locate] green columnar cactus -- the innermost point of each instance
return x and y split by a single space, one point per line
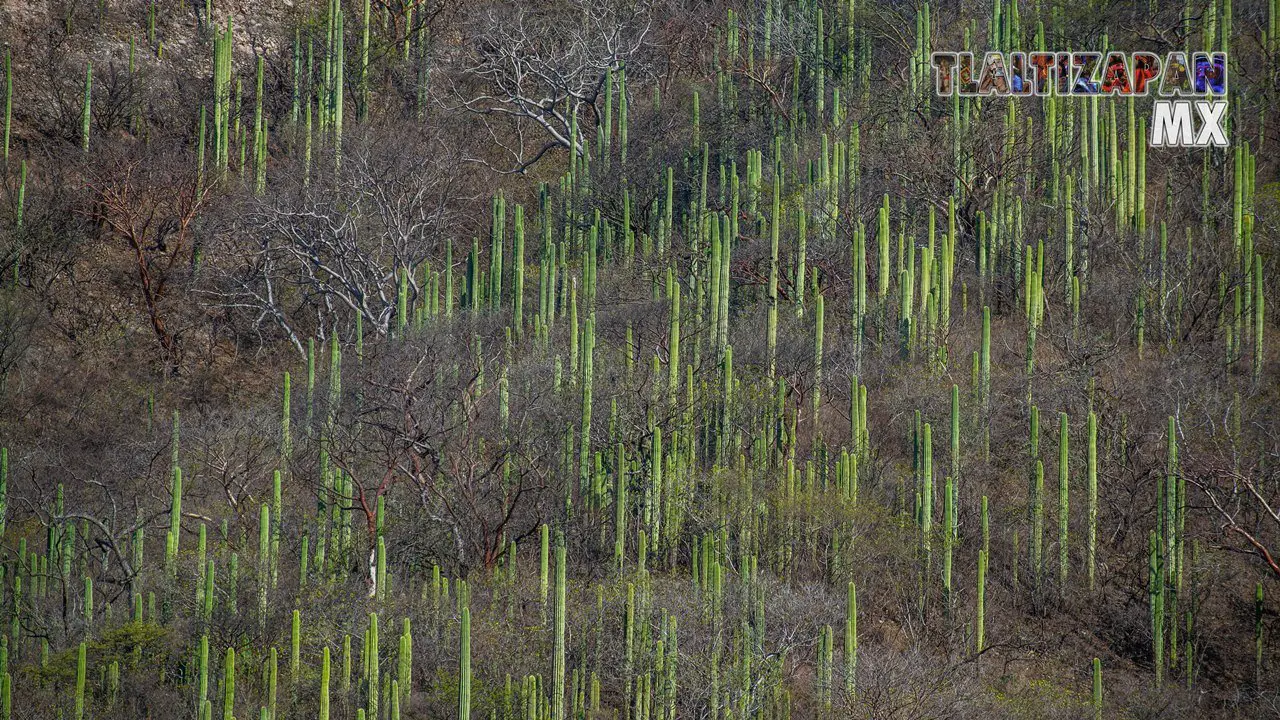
337 67
955 433
980 620
259 138
575 333
558 652
1037 524
404 660
1063 500
87 109
1097 689
1259 313
851 641
1162 289
926 499
517 273
324 684
497 242
234 576
1091 548
207 599
88 600
264 562
363 106
335 379
229 685
286 434
175 526
722 314
295 646
4 487
464 664
1155 589
905 327
620 508
202 696
380 569
8 103
372 666
272 673
1172 502
817 364
80 678
277 509
948 535
345 685
222 44
544 567
673 340
882 237
588 363
984 361
653 493
1068 233
726 424
824 671
448 278
202 541
628 655
22 200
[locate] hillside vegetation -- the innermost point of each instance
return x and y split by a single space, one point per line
636 359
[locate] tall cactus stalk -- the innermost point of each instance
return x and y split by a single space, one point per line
229 685
1097 689
980 620
464 664
175 526
775 224
1091 548
80 680
1063 501
8 103
264 562
4 487
324 685
851 641
558 652
86 110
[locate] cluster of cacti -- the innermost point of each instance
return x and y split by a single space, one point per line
706 461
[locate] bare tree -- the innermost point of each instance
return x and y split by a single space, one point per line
1246 502
433 417
534 70
151 204
336 247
